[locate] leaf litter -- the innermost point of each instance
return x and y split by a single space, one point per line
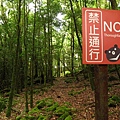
78 94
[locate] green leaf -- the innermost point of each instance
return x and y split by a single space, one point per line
61 110
62 117
34 110
53 107
41 104
69 117
41 117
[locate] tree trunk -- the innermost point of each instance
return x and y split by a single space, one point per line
113 4
33 59
45 56
76 30
58 64
101 92
72 49
15 68
26 59
90 75
49 38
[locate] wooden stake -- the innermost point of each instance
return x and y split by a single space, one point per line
101 92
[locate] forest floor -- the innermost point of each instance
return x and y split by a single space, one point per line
83 99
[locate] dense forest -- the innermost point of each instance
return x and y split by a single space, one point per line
40 45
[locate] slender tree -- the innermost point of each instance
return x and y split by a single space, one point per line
76 29
49 38
72 48
113 4
26 57
33 57
15 68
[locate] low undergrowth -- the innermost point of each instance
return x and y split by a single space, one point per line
113 101
47 109
3 102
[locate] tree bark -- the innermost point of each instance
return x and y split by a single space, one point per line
101 92
113 4
76 30
49 38
26 59
15 68
33 58
72 49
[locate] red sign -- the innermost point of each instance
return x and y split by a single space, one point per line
101 36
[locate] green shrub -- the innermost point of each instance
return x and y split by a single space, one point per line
52 108
61 110
63 116
34 110
69 117
45 102
30 117
49 102
2 104
46 109
42 117
41 104
116 98
19 117
113 101
27 117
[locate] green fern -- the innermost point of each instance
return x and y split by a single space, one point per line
2 104
69 117
63 116
41 104
53 107
34 110
113 101
61 110
41 117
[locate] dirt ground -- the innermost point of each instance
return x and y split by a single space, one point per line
84 101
